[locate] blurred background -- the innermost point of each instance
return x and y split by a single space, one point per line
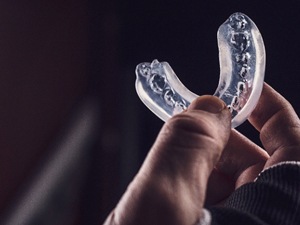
72 130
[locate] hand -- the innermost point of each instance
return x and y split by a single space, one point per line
193 147
170 187
242 160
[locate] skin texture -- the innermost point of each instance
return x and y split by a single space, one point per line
198 160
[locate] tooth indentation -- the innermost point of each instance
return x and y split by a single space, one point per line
238 22
169 97
240 40
157 83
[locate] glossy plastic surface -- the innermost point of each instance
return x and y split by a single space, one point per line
242 67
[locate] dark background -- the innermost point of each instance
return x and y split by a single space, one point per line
56 56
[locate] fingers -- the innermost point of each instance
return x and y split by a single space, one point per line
270 103
279 126
240 163
239 155
170 187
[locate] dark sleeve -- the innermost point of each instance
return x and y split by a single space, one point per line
274 198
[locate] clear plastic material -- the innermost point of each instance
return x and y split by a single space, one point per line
242 67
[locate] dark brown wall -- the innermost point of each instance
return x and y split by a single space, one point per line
42 73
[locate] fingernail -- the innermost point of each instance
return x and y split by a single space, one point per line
208 103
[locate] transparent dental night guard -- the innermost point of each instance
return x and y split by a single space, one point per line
242 68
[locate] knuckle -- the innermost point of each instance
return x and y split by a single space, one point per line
188 123
192 128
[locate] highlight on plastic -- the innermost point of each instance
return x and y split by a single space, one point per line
242 60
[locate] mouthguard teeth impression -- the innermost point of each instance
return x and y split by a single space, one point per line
242 67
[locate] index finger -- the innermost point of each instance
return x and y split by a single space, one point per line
278 124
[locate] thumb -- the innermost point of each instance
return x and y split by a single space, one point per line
184 154
170 187
196 136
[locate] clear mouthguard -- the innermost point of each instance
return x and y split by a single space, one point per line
242 68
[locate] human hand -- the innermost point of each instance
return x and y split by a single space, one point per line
242 160
170 187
